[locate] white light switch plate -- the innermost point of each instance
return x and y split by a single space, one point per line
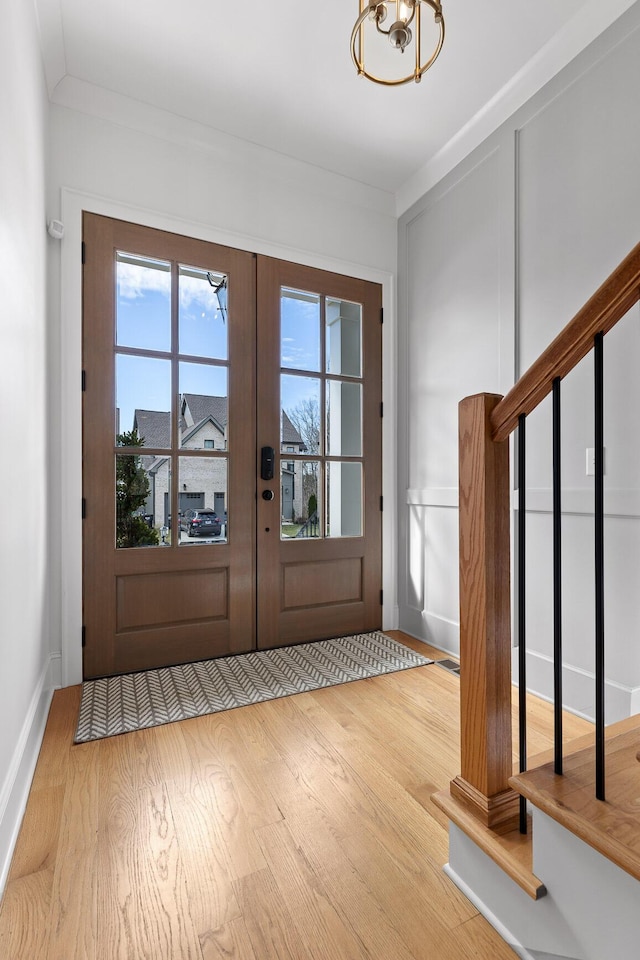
591 460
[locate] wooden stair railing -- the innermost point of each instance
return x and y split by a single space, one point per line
485 424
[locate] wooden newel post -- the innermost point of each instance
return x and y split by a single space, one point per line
485 628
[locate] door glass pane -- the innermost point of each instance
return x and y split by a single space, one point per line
143 302
344 338
299 330
300 502
142 497
202 314
344 418
202 499
344 500
203 406
143 400
300 420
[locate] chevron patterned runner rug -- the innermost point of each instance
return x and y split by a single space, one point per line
137 700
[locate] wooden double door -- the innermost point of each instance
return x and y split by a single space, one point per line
231 450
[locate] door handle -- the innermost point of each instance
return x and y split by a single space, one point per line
267 462
268 494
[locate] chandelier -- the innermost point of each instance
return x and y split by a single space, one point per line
403 17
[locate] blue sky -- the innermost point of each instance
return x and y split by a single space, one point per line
144 322
300 346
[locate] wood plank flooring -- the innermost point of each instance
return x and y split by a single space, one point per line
298 829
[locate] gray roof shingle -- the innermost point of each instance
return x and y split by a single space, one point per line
289 432
203 407
154 427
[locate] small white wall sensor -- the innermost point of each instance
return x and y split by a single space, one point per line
55 229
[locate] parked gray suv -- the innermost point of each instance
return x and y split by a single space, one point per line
201 523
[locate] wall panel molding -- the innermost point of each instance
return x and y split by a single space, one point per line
433 497
617 503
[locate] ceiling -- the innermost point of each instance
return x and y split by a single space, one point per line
281 76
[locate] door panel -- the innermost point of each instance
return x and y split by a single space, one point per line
325 581
319 520
168 425
150 600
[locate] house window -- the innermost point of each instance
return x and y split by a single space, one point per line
209 445
290 450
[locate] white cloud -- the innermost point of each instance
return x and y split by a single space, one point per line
135 281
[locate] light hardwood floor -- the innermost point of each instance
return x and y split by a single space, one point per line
299 828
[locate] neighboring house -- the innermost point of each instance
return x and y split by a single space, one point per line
202 482
294 504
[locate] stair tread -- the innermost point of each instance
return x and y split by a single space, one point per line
510 850
612 826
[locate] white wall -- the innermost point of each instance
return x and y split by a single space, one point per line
27 507
113 156
450 345
493 262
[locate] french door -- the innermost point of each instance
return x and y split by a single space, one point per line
319 360
231 450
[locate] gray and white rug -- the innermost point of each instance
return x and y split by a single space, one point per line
114 705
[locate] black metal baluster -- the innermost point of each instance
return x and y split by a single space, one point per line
598 354
522 652
557 579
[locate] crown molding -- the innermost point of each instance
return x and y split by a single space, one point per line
594 18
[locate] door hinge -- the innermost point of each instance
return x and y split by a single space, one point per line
381 409
84 380
381 314
381 507
84 252
84 508
381 593
84 635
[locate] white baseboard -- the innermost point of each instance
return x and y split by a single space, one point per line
482 908
439 632
14 789
578 687
497 925
635 702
